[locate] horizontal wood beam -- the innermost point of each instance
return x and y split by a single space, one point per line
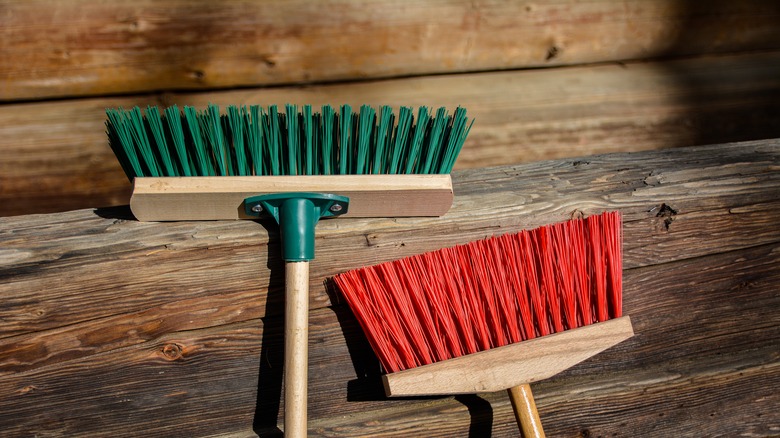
88 47
54 156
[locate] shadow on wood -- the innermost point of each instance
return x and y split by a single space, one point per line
271 366
708 114
368 384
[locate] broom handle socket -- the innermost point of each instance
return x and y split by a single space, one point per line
296 355
526 414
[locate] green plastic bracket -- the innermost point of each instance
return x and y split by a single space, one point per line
297 214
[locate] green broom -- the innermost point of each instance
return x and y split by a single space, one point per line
296 167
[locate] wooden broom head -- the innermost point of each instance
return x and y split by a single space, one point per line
494 313
511 365
388 164
213 198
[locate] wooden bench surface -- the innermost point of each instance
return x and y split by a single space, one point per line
112 327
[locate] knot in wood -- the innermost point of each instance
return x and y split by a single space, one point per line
172 351
668 213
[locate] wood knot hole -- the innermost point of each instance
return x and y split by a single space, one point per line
172 351
668 213
552 53
197 75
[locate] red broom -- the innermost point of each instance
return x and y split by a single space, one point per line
451 321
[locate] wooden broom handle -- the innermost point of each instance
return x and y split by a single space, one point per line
525 411
296 344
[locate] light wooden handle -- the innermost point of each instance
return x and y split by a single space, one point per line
296 345
525 411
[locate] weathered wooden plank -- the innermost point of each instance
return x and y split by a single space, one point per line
87 298
81 259
55 155
703 409
696 365
164 388
94 48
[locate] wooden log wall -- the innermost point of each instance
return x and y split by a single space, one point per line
112 327
546 79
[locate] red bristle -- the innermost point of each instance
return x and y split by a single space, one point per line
614 244
532 264
471 295
387 315
516 277
562 249
549 282
484 294
509 301
446 321
452 315
426 303
410 321
369 311
487 294
580 274
391 313
598 268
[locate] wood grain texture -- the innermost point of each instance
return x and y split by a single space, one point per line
111 327
54 155
89 47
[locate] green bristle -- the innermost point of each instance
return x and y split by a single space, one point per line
310 146
142 142
254 134
383 138
293 144
433 150
236 120
273 137
257 142
211 125
121 143
173 119
161 144
415 148
346 137
365 138
328 140
201 156
457 138
400 141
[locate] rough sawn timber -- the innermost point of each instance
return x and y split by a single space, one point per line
112 327
54 156
88 47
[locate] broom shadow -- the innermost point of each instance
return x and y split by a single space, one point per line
368 385
271 367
